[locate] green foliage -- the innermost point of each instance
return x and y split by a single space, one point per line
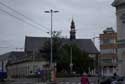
81 60
45 50
62 53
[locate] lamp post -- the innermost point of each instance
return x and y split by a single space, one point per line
51 40
97 62
71 64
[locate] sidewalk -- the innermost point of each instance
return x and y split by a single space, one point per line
26 81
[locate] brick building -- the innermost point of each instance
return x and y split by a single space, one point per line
108 49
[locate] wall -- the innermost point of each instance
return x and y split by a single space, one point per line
25 69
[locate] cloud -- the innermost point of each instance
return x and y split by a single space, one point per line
91 17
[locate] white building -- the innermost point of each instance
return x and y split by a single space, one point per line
20 65
3 62
108 52
26 69
120 14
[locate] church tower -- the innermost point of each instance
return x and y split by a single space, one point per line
120 14
72 30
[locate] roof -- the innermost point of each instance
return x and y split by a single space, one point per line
109 30
16 54
13 56
35 43
118 2
4 57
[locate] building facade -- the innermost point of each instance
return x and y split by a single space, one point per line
120 16
34 44
3 62
108 49
26 69
19 65
27 63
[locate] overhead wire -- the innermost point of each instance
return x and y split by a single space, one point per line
18 18
19 13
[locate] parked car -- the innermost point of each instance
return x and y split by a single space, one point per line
106 80
121 80
109 80
3 75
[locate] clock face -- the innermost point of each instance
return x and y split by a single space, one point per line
123 18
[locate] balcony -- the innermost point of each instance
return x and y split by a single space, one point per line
110 56
108 62
106 46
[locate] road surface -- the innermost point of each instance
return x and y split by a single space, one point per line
73 80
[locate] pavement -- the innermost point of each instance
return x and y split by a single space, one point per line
71 80
75 80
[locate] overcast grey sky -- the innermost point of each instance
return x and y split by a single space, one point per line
91 18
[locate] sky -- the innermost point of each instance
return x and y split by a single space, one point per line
91 17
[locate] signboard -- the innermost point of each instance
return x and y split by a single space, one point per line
40 72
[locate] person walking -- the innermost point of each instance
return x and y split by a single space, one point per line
84 79
115 77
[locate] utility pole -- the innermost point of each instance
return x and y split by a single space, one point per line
71 64
2 66
97 62
51 40
72 38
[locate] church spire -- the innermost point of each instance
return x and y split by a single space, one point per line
72 30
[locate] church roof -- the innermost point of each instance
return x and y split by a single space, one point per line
72 24
109 30
35 43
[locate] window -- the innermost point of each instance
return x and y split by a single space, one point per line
123 22
122 17
110 70
104 70
101 42
107 60
107 41
108 51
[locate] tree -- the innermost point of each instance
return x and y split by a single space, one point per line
45 50
81 60
61 55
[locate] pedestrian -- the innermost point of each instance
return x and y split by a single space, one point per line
114 82
84 78
115 77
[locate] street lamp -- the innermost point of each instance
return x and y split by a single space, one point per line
98 61
71 64
51 41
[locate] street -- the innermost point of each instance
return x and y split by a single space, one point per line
73 80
